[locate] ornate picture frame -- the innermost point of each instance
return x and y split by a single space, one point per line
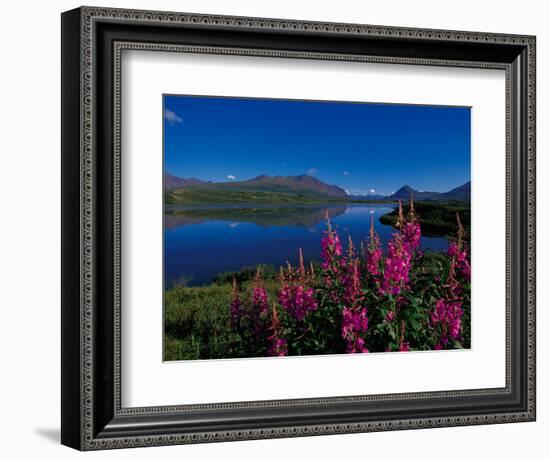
93 416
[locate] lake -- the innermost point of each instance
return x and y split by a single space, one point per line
200 242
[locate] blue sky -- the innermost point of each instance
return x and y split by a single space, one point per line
360 147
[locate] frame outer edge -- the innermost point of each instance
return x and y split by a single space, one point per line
71 306
88 198
88 15
531 228
296 25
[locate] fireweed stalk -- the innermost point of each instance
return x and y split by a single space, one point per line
446 317
236 308
401 250
403 344
331 250
396 266
260 305
333 267
277 345
459 251
295 297
355 322
374 251
410 228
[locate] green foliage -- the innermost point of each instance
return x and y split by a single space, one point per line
196 322
246 274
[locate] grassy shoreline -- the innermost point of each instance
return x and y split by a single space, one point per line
196 320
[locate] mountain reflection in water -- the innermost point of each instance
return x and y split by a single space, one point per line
200 242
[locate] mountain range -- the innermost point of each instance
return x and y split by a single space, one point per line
462 192
285 189
262 189
174 182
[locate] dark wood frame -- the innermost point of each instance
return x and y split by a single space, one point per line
92 42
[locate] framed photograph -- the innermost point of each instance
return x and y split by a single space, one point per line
277 228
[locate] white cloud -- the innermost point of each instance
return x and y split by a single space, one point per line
231 177
172 117
372 190
312 171
345 172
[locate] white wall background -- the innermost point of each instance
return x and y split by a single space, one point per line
30 214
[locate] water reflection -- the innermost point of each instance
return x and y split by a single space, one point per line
201 242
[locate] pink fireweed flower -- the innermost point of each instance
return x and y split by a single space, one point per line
461 257
260 302
411 228
447 316
285 295
236 307
352 283
331 248
412 212
397 266
459 251
297 300
260 306
412 235
374 251
278 346
404 346
351 248
354 323
400 217
452 251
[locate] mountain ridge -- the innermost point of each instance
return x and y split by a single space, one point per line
462 192
174 182
281 184
279 188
